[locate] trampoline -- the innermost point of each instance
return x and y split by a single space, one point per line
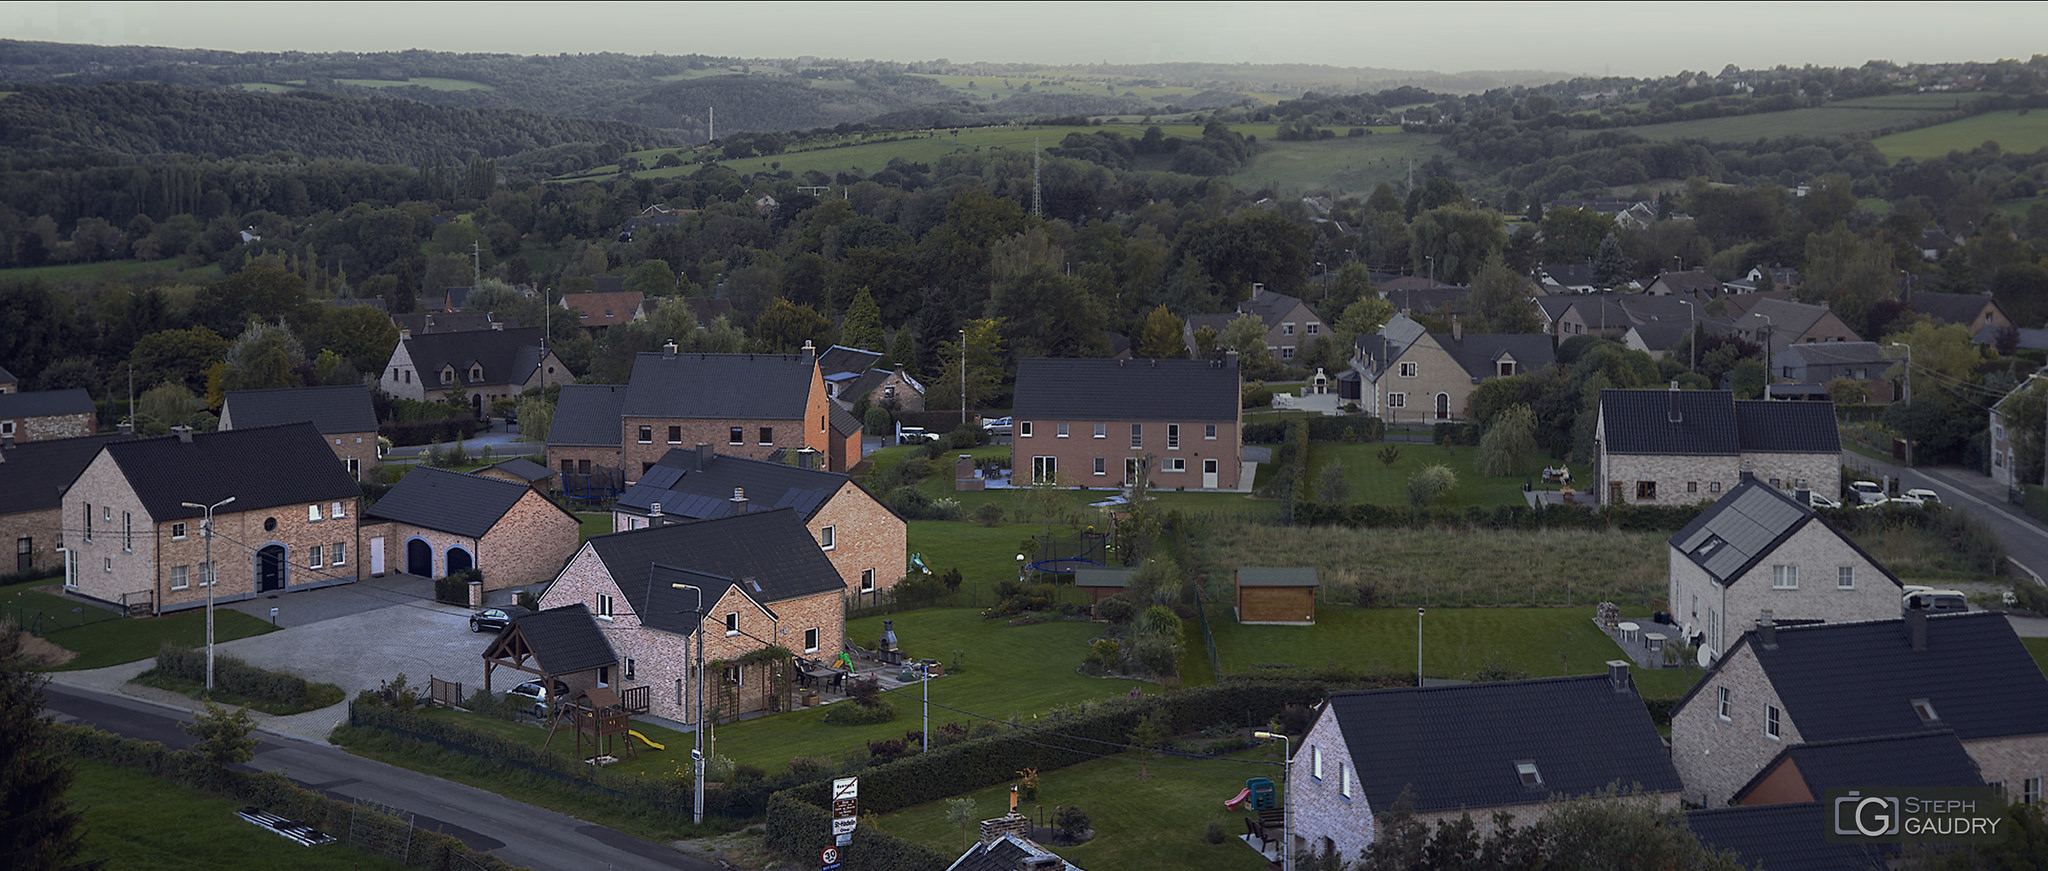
1065 565
1085 552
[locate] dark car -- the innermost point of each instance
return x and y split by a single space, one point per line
496 619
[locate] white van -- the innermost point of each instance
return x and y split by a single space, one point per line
1934 601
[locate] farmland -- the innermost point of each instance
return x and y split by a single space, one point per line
2015 131
1824 121
428 82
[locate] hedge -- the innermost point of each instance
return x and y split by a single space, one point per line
1345 428
235 676
1629 518
453 588
426 432
268 790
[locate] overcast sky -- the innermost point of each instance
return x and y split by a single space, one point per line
1643 39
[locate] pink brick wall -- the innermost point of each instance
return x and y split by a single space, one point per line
866 536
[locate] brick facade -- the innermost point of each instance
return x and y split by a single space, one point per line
1716 756
358 446
1076 454
524 548
867 537
1323 817
52 426
129 555
1684 479
581 459
639 455
1815 554
2009 761
39 533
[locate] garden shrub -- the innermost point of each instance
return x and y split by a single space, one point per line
858 714
233 675
453 588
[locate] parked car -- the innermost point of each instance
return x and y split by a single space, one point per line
1816 500
915 435
996 425
1923 496
530 697
1867 492
1935 601
496 619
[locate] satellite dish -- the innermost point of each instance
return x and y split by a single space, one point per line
1706 658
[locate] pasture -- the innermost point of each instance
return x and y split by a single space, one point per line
2017 130
1344 166
428 82
1846 118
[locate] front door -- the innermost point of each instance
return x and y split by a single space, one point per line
270 568
1132 466
1209 474
419 558
377 557
1443 406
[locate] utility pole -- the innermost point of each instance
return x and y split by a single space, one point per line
697 688
963 377
206 530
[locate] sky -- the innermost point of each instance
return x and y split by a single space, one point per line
1641 39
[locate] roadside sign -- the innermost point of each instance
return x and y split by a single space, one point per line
843 840
845 787
845 806
843 825
828 859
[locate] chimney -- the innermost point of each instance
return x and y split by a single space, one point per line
1748 471
1457 329
1803 494
126 428
654 513
404 334
1676 415
703 456
184 434
807 458
1041 863
7 441
498 326
1231 358
668 349
1916 628
810 352
1618 677
1767 631
739 500
1011 823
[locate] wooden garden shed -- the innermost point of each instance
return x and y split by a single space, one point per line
1276 595
1101 582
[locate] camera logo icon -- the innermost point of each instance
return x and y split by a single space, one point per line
1869 816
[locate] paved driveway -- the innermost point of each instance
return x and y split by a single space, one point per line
360 651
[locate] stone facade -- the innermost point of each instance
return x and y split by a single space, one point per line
1082 460
1324 818
47 427
524 548
356 450
1815 554
582 459
897 393
869 545
663 660
1716 756
35 536
665 434
129 557
2011 760
1684 479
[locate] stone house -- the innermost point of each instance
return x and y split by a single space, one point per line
1470 748
865 541
850 375
1291 326
435 523
1780 686
33 477
1758 551
596 311
583 440
420 323
1818 364
1695 282
291 526
1778 324
1975 311
41 415
1405 373
1101 423
2005 440
1678 447
763 581
479 366
343 415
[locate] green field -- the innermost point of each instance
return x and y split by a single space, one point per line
264 87
1831 120
1344 166
133 820
2039 648
2018 130
428 82
1374 482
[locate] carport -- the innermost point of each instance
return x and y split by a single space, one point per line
557 644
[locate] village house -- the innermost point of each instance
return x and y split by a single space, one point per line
865 541
33 476
583 440
1761 551
421 323
8 383
1807 369
762 579
1472 748
519 470
1781 686
2005 438
1291 326
479 367
446 522
1406 373
851 376
1778 324
291 525
1102 423
596 311
41 415
1975 311
344 416
1678 447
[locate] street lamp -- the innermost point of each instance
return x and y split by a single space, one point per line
1418 645
1769 328
963 377
697 687
1286 798
206 530
1909 390
924 679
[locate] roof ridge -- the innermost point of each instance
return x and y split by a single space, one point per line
1561 678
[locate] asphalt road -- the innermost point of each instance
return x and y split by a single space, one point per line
2026 539
516 832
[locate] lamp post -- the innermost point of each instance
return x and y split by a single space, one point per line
924 680
206 530
1769 328
1418 645
1287 798
963 377
697 688
1909 391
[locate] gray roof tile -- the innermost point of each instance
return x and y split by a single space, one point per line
466 505
498 351
588 415
1092 389
1783 836
1918 759
565 640
262 467
1700 422
34 475
1787 427
46 403
341 409
720 386
687 492
771 549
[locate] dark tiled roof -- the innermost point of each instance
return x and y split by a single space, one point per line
769 552
7 377
1922 759
46 403
423 323
1783 836
1269 306
1787 427
1276 577
262 467
843 421
1458 746
1975 673
565 640
1700 422
1442 299
1951 308
507 356
526 469
33 475
588 414
1694 280
466 505
1081 389
1744 526
1004 854
1479 353
1659 336
332 410
1570 274
720 386
839 358
603 309
1830 354
686 492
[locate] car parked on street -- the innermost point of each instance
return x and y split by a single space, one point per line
1867 492
915 435
533 698
1923 496
496 619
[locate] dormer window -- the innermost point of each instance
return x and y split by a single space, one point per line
1530 777
1925 709
447 375
476 372
1507 368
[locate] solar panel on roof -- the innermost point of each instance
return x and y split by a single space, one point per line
661 476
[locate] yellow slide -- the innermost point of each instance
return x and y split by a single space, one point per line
643 739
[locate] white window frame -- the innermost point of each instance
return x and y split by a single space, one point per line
313 513
1845 577
1287 329
867 580
177 532
340 557
1312 327
127 532
1772 729
1137 436
1209 432
1174 464
811 639
1101 466
1287 352
1045 469
1102 430
316 557
604 606
1023 429
1173 436
1344 781
1723 708
338 510
1784 577
732 623
181 577
1315 761
828 537
2030 790
631 666
1059 430
1397 400
1409 369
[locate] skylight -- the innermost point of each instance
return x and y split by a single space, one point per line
1531 779
1925 709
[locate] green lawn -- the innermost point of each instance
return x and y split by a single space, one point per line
1374 482
1154 822
594 523
136 821
2015 131
1344 166
321 695
101 637
110 269
2039 648
429 82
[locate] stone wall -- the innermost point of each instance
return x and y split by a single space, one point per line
1321 813
1715 757
2010 760
46 428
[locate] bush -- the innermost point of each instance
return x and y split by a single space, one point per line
1455 433
1215 833
1346 428
1116 609
1072 822
235 676
858 714
988 514
454 588
876 421
1430 482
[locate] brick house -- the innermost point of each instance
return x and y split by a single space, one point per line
1779 686
1678 447
1975 311
480 366
41 415
850 375
1470 748
343 415
1098 423
435 522
291 527
1760 551
1291 326
583 440
1782 323
33 477
599 310
763 580
865 541
519 470
1408 373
